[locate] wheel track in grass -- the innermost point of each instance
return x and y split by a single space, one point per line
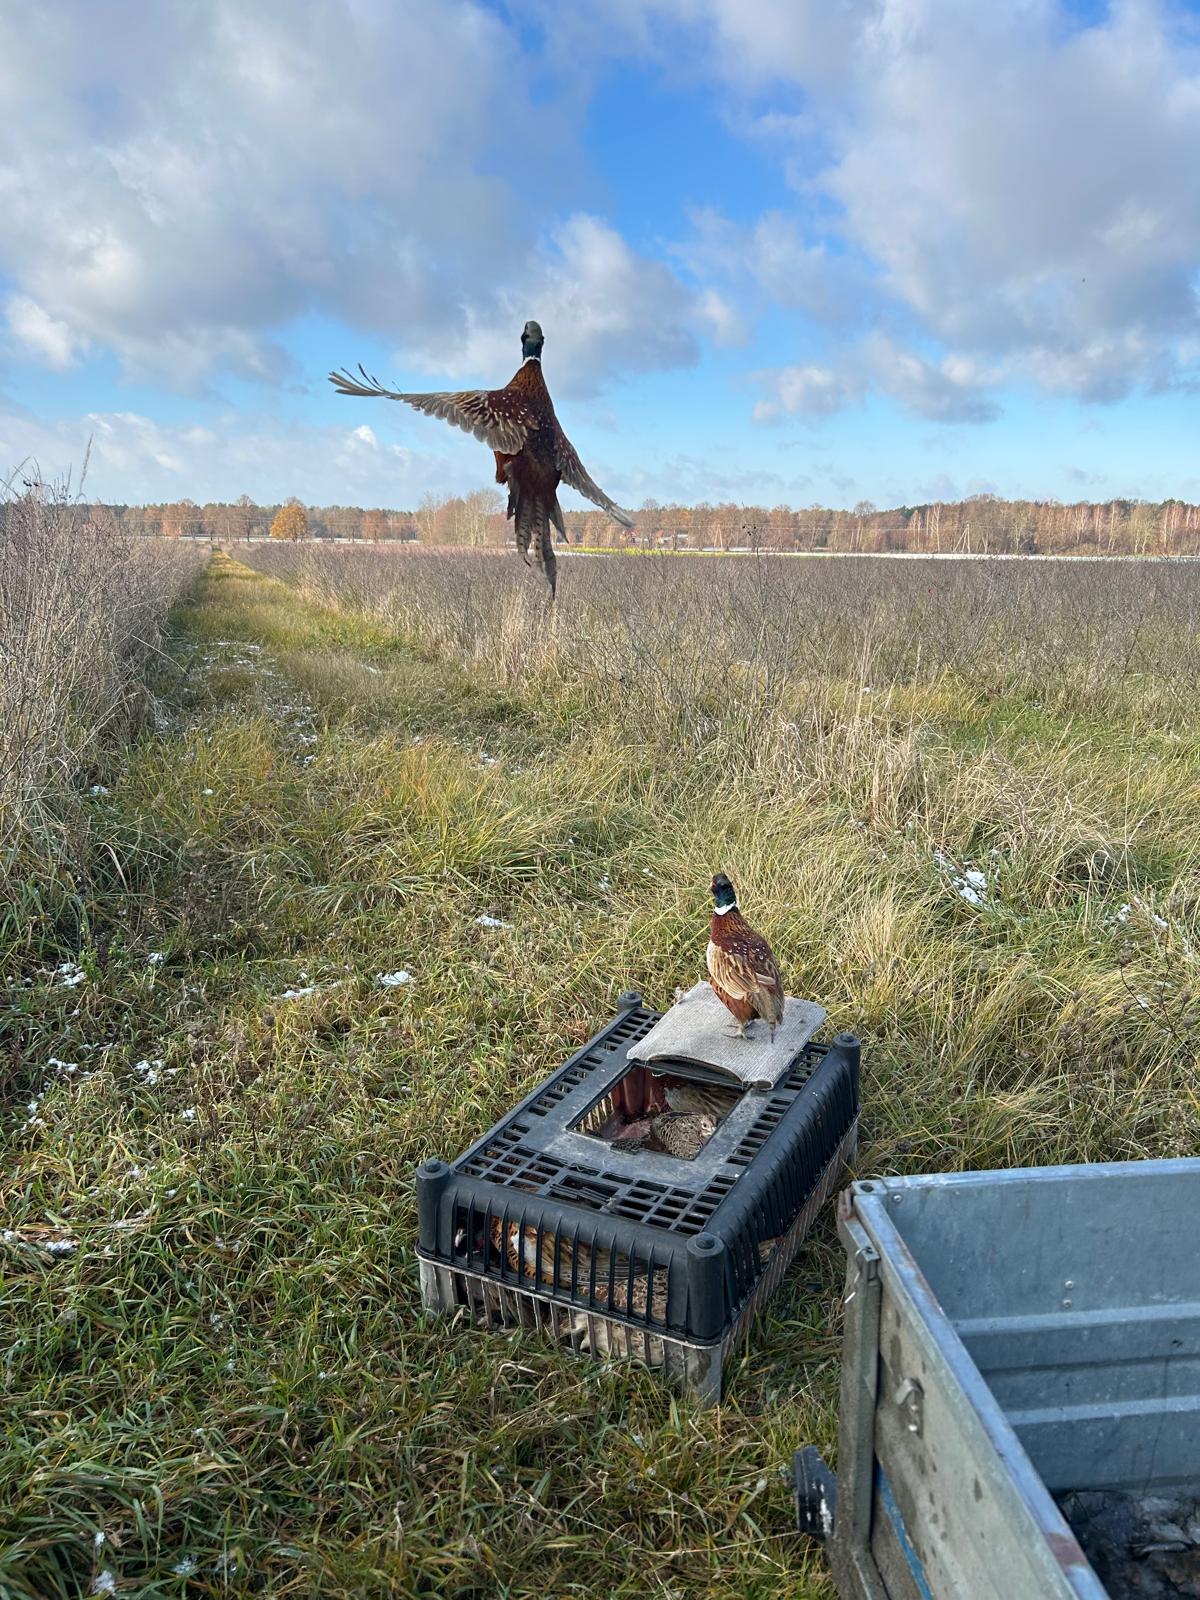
227 1381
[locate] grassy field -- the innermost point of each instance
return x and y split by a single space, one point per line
962 804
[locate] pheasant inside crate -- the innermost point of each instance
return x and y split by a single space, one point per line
622 1246
670 1112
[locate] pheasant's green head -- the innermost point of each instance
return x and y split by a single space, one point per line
723 893
532 341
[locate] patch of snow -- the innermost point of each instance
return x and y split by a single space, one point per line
1138 904
59 1247
208 791
393 980
155 958
189 1115
105 1582
299 994
491 922
186 1565
97 788
971 884
70 974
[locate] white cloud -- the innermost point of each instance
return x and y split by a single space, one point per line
137 459
189 181
771 263
812 391
603 307
1003 181
950 390
46 338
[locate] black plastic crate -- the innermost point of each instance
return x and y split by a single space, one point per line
632 1252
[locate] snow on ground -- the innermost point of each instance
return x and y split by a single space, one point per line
970 882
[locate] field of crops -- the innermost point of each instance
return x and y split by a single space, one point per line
960 798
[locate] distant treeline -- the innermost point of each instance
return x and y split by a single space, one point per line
982 524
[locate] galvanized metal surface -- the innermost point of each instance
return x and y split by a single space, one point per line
1005 1332
1076 1292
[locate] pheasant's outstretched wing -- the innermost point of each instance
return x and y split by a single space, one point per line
502 418
575 473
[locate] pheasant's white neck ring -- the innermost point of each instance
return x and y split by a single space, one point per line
721 910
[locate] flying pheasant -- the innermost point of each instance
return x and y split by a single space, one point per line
533 454
744 973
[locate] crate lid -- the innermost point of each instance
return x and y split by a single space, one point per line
698 1031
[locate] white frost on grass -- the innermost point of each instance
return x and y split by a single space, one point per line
58 1247
70 975
971 884
393 980
491 922
185 1566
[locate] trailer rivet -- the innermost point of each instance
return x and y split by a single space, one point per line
896 1199
1069 1283
1066 1305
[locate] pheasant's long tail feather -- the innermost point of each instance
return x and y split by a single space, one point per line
532 516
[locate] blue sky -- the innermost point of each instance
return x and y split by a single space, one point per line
883 250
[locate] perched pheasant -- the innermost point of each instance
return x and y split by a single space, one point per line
533 454
743 971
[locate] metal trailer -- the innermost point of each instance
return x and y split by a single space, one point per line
1008 1335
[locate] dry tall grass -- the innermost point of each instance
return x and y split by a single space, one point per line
968 821
81 608
680 642
851 740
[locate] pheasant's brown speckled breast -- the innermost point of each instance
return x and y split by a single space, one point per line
730 931
536 464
